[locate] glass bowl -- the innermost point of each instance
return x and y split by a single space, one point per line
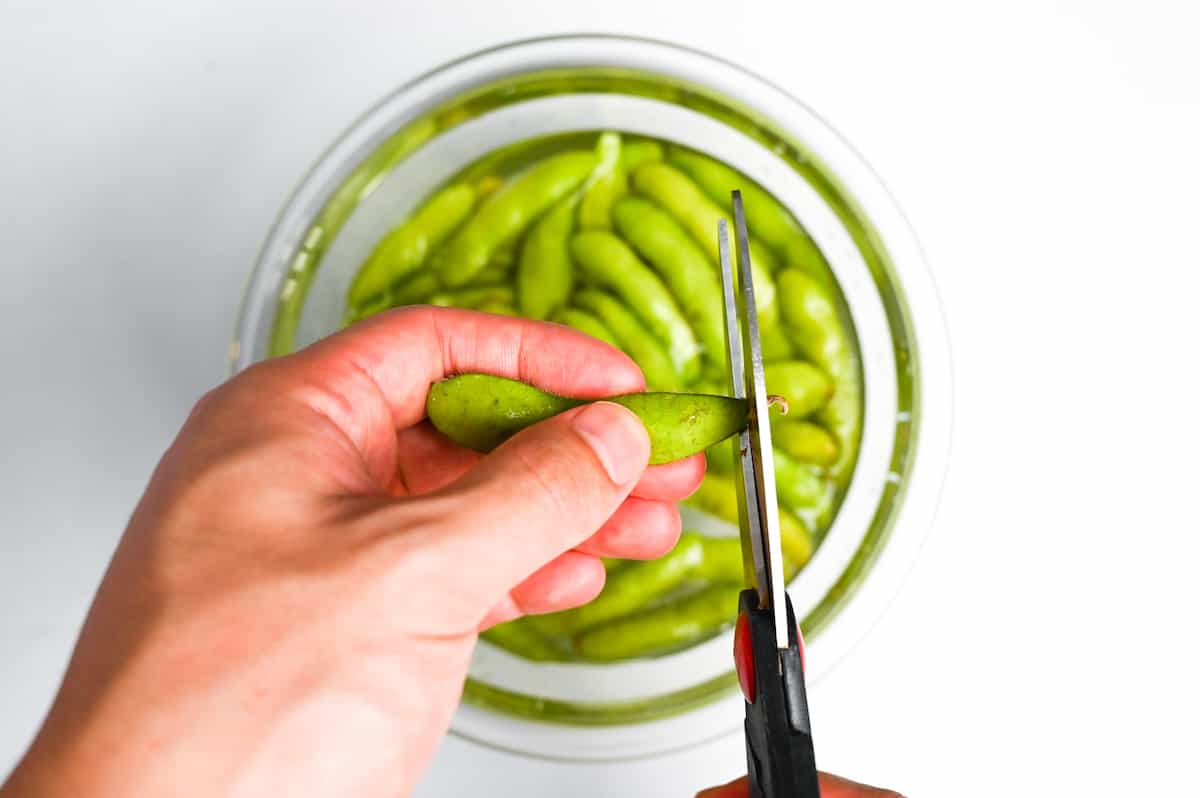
412 141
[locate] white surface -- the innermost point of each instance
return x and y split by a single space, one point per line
1045 153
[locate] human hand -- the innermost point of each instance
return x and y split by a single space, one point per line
293 606
831 787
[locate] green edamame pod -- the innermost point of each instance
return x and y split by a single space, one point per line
376 304
587 324
796 541
520 638
633 587
676 193
843 416
481 411
717 496
506 213
805 387
608 184
798 485
404 249
607 261
812 318
503 260
662 629
721 561
498 306
683 266
634 338
545 276
640 151
775 344
805 441
417 289
472 298
766 217
713 385
493 274
720 457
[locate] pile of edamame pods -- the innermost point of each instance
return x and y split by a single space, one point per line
615 236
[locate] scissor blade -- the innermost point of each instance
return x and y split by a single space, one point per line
758 463
748 519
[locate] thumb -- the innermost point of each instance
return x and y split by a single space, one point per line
543 492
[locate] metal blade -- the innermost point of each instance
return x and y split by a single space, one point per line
758 461
748 519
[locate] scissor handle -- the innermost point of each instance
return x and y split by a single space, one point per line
780 762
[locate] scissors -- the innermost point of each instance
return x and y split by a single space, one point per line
768 649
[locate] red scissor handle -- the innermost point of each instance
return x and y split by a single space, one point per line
779 749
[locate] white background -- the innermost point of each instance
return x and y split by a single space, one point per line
1046 153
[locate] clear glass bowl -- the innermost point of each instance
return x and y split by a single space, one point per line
407 145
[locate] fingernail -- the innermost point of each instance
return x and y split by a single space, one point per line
617 437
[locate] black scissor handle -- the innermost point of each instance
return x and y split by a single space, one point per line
780 762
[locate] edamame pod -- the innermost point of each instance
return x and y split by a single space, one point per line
766 217
545 276
640 151
717 496
376 304
488 185
683 266
805 387
815 325
607 261
721 561
796 541
587 324
493 274
520 638
798 485
843 416
634 586
662 629
506 213
612 564
676 193
811 316
775 344
481 411
498 306
472 298
418 289
635 340
503 260
720 457
404 249
609 183
805 441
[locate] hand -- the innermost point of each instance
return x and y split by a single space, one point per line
293 606
831 787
